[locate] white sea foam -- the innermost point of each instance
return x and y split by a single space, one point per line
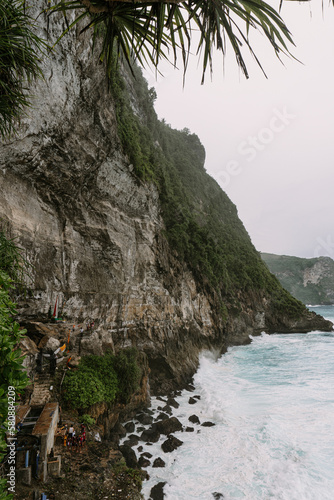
273 405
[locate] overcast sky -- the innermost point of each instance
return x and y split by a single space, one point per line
269 142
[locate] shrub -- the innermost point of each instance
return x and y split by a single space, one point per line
87 419
102 379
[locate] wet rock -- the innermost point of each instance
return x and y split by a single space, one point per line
190 429
208 424
144 419
194 419
173 403
158 462
197 397
150 435
132 440
157 492
143 461
162 416
192 401
190 388
217 496
130 427
130 456
171 444
167 409
140 449
159 398
168 426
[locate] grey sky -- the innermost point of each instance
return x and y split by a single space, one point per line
269 143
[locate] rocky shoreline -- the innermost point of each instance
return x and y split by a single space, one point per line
139 436
155 433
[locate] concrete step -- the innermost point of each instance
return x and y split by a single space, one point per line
41 392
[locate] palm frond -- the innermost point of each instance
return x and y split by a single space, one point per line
20 57
148 30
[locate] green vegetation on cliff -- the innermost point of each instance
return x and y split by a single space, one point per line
309 280
12 374
102 379
202 224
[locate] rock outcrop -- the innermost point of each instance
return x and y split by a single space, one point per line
94 232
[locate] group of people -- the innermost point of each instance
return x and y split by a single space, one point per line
73 441
90 325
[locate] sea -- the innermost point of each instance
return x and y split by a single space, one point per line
272 403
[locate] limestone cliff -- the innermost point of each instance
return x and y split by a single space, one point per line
95 232
309 280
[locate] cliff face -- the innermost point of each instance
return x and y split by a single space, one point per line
95 235
309 280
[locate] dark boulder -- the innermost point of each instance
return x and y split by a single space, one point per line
172 402
132 440
168 426
144 418
143 461
190 388
157 492
208 424
194 419
171 444
130 456
192 401
158 462
151 435
130 427
190 429
167 409
162 416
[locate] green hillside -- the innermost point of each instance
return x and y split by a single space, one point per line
309 280
202 224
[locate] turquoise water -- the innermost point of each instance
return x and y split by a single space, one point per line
273 405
